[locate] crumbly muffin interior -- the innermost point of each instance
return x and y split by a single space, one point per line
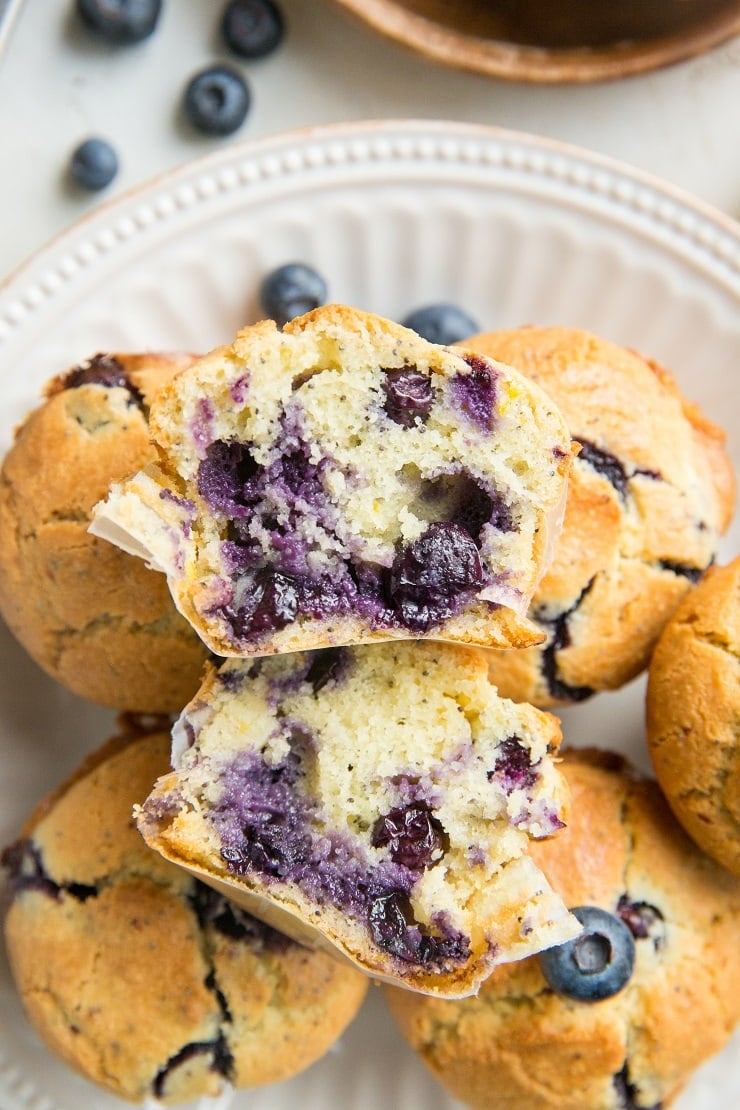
351 471
389 783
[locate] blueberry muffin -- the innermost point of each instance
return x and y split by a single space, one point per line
636 1004
651 492
94 618
139 977
345 481
379 800
693 714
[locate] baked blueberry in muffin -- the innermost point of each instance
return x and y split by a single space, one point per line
659 945
144 980
650 494
378 799
344 481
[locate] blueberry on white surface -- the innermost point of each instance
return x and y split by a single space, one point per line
217 100
594 965
121 22
252 28
441 323
94 164
291 290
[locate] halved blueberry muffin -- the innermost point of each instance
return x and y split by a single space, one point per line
650 494
344 481
661 922
142 979
379 799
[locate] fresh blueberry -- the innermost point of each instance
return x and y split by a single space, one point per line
597 963
441 323
94 164
291 290
120 21
217 100
252 28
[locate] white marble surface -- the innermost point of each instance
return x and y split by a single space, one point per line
57 87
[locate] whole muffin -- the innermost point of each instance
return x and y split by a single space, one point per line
693 714
520 1044
344 481
650 494
139 977
97 620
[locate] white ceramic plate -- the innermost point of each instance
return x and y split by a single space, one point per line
515 229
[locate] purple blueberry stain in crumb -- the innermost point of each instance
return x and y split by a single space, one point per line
201 426
225 477
239 389
413 836
408 396
541 821
513 768
266 825
431 577
643 920
475 393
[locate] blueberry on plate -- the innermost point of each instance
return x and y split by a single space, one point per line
121 22
291 290
217 100
441 323
94 164
252 28
597 963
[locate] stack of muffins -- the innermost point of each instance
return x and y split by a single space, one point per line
360 568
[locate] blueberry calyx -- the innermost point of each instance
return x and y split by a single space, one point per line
94 164
217 100
120 22
441 323
597 963
252 28
290 291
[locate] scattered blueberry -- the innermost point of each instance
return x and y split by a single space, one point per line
415 838
94 164
441 323
217 100
291 290
122 22
252 28
597 963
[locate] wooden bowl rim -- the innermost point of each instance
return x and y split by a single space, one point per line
540 65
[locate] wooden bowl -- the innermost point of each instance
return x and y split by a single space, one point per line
553 41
